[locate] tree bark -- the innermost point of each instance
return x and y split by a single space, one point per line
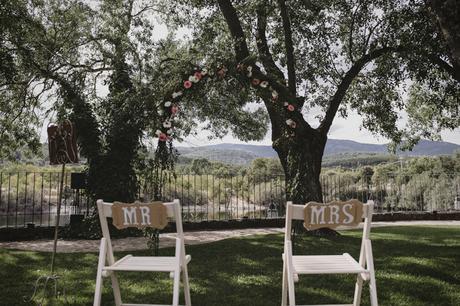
447 15
301 158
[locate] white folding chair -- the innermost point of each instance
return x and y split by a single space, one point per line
294 265
174 265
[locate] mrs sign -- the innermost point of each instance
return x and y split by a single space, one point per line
333 214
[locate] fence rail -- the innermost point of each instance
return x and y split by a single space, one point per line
30 198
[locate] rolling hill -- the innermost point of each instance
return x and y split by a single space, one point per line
244 153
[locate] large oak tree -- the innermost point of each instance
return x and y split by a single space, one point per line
377 58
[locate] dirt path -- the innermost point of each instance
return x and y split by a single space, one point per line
167 240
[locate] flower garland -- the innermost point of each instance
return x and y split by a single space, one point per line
290 107
171 108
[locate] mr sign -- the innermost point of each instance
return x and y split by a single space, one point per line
139 215
333 214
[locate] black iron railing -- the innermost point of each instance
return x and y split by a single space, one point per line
29 198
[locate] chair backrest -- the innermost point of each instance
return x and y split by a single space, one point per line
173 210
333 211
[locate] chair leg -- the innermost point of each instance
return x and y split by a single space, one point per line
176 288
185 280
285 285
373 289
370 267
100 265
116 289
358 290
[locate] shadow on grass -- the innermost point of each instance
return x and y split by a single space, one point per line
415 266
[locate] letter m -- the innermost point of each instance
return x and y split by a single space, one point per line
317 215
129 215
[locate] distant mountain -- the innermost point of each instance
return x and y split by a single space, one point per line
244 154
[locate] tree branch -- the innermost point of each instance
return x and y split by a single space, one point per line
455 73
346 82
262 44
234 25
289 47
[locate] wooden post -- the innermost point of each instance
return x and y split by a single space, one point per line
58 214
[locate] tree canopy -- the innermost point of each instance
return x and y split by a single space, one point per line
98 64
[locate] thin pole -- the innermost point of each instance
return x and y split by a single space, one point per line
58 213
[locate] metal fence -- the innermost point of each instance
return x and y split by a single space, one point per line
28 199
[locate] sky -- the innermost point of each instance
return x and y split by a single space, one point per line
349 129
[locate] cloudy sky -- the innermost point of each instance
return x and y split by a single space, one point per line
349 129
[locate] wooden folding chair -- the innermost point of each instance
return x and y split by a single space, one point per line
317 215
108 267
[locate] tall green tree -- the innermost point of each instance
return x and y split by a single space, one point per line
331 55
98 64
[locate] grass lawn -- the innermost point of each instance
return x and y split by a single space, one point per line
415 266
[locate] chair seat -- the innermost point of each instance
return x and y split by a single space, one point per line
326 264
145 263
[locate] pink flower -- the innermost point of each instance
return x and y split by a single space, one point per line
187 84
290 107
255 82
174 109
163 137
198 75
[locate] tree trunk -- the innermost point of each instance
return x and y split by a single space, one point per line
446 14
301 158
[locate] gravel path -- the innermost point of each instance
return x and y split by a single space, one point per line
167 240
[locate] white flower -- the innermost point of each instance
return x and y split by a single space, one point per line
291 123
176 94
262 69
157 132
193 79
264 84
249 74
249 68
167 103
169 132
286 104
204 71
167 124
160 112
274 94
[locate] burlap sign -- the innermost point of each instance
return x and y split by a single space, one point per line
333 214
139 215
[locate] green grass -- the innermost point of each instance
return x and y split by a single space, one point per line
415 266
